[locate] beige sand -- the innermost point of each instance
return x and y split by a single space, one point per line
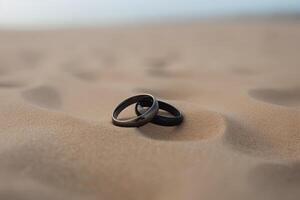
236 82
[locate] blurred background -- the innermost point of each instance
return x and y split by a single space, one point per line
54 13
231 66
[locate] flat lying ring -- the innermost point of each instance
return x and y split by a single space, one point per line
141 119
159 119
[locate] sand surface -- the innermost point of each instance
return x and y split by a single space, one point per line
237 83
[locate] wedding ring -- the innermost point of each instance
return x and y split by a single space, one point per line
142 118
176 119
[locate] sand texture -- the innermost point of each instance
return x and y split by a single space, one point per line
237 83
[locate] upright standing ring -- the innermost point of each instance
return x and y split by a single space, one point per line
140 120
176 119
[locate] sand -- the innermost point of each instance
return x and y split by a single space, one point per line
237 83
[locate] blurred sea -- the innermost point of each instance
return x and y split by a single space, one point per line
57 13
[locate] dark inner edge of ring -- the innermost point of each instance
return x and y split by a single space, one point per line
131 101
163 106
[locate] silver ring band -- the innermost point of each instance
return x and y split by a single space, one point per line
140 120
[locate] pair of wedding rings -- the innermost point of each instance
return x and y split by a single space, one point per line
146 109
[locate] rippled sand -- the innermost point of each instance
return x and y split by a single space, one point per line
237 84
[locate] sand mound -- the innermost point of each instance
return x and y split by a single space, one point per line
198 124
44 96
276 180
284 97
237 84
269 130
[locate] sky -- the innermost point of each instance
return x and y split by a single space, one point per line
94 12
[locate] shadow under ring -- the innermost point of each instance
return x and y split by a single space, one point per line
141 119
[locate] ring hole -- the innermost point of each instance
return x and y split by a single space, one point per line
127 113
164 113
160 112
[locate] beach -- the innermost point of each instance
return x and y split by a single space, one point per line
236 82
